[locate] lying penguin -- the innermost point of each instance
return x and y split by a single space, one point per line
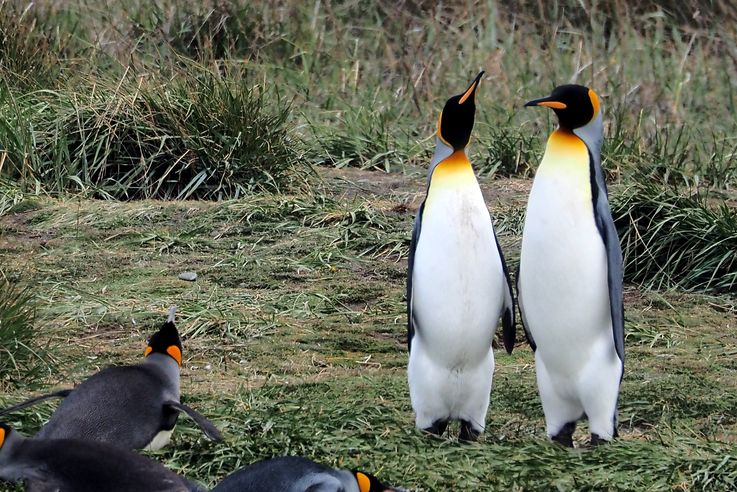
71 465
131 407
295 474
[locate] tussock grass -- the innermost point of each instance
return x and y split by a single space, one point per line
670 240
21 356
199 136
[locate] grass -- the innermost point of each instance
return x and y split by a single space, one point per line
299 134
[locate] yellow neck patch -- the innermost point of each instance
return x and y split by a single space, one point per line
594 102
453 172
147 351
2 437
364 482
175 353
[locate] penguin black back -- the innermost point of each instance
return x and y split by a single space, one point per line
68 465
296 474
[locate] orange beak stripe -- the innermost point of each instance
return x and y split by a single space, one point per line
364 483
147 351
175 353
468 93
553 104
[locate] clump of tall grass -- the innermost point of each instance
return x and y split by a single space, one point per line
20 355
197 136
670 239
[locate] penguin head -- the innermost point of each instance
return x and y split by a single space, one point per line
456 119
166 341
575 105
369 483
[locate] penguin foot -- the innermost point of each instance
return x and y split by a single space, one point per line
564 437
597 441
468 433
437 428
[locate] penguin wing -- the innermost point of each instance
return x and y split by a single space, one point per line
38 399
509 330
410 269
528 335
615 270
207 427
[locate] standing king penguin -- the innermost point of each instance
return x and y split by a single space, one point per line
457 286
570 279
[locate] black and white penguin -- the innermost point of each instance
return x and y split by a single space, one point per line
570 277
458 286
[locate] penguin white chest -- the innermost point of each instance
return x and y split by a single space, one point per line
563 287
458 276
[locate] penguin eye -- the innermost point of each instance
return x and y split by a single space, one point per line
175 353
364 482
147 351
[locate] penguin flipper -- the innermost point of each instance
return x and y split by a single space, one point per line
610 237
38 399
528 335
509 328
207 427
410 270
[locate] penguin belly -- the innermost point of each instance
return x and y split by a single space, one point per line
564 297
457 297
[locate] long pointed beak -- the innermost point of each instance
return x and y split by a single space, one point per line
547 102
471 91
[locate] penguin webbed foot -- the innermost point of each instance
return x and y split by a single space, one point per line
597 441
437 428
468 434
564 437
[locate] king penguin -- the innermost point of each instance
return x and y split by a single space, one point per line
458 286
68 465
295 474
131 407
570 277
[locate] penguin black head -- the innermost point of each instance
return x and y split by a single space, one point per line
456 119
369 483
575 105
166 341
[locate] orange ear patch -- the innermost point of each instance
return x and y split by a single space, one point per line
175 353
147 351
2 437
594 101
364 482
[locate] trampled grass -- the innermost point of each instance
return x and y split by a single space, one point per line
305 129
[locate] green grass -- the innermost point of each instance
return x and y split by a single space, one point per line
300 133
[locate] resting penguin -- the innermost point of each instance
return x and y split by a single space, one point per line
69 465
457 286
295 474
570 278
131 407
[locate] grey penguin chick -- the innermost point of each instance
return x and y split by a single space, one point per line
296 474
131 407
69 465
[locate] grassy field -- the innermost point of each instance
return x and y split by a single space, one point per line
279 150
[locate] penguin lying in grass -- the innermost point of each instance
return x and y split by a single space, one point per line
570 278
131 407
295 474
458 286
70 465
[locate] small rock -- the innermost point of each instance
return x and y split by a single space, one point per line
188 276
